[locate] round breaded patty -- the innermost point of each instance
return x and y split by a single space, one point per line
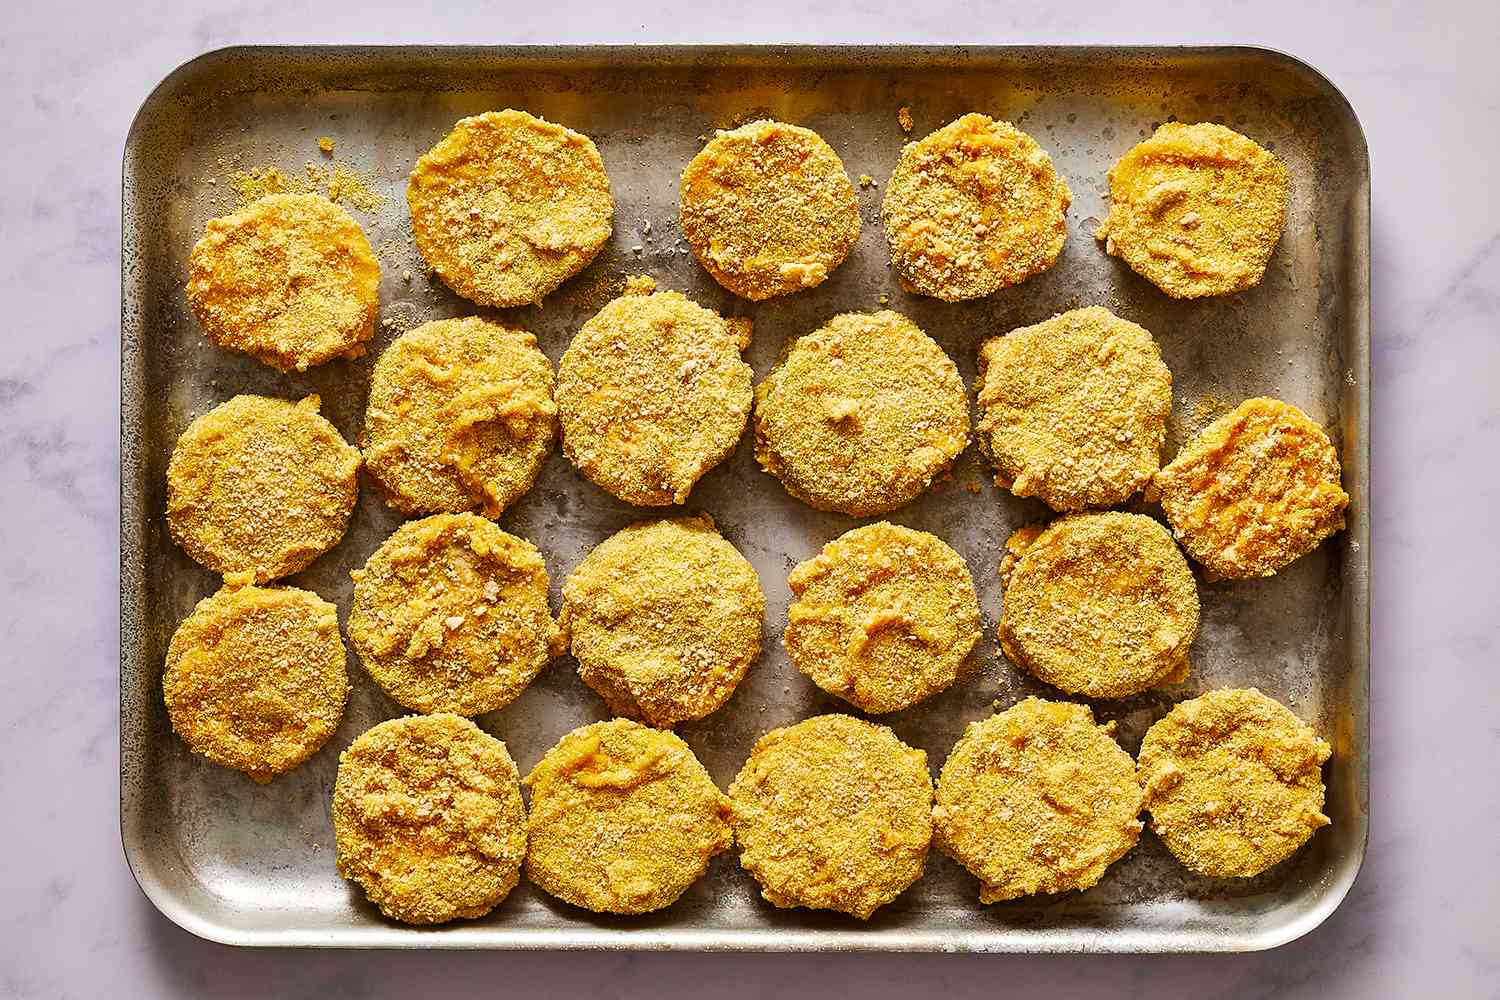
664 619
973 208
1233 781
652 393
623 818
834 813
260 487
460 417
882 617
1102 605
768 209
290 280
861 415
1256 489
450 615
508 206
256 679
1037 799
1073 411
1196 210
428 818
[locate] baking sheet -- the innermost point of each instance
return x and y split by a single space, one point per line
254 865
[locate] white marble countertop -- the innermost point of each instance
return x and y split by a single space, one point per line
1423 916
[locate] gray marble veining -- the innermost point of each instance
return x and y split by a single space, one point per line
1420 921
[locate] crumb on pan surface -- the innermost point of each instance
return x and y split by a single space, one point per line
883 616
1233 782
1073 410
624 819
1255 490
1196 209
450 614
256 678
460 417
1103 605
768 209
664 618
261 487
651 394
972 208
507 206
1037 799
428 818
833 813
861 415
289 279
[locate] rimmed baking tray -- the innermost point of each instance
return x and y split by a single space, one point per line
252 865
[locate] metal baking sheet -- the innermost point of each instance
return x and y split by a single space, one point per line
254 865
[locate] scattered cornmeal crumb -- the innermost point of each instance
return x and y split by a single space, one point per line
903 118
865 180
325 144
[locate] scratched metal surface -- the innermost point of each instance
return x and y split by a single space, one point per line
253 865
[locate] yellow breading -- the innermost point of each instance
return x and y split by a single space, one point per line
260 487
1102 605
1074 410
451 615
508 206
1233 781
1196 210
256 678
428 818
664 618
861 415
768 209
623 818
460 417
289 279
652 393
834 813
1037 799
973 208
1256 489
882 617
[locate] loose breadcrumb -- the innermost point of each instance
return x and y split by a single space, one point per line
903 118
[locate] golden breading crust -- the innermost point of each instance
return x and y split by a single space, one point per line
623 818
768 209
1196 210
882 617
664 618
834 813
1074 410
450 615
973 208
508 206
256 678
1233 781
652 393
289 279
428 818
1102 605
861 415
460 417
1037 799
1256 489
259 488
